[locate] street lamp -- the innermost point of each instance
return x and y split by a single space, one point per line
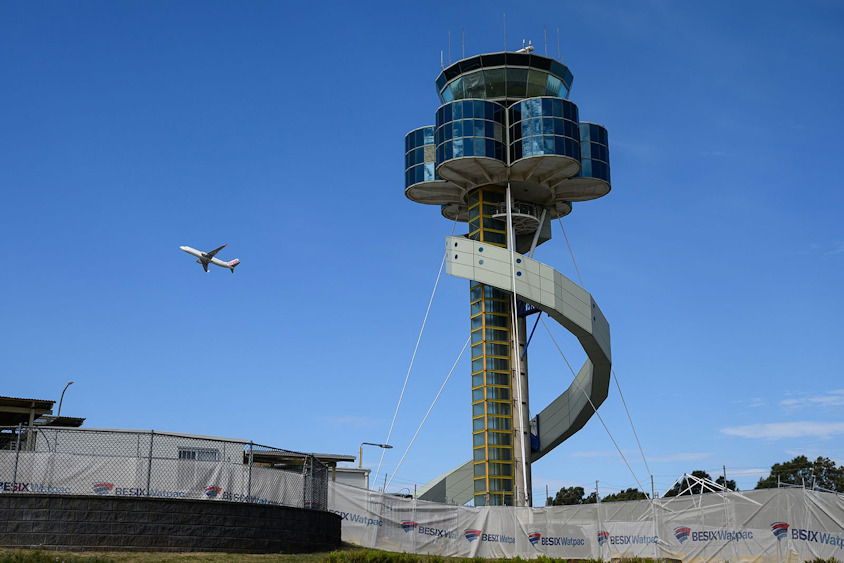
360 451
69 383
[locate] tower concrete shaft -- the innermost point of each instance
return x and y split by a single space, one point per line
500 424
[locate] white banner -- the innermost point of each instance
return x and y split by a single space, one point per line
72 474
777 525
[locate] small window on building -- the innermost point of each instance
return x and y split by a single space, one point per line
199 454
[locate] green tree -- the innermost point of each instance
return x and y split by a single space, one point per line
570 495
688 486
628 494
731 485
800 471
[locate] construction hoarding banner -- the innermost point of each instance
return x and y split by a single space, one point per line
59 473
765 525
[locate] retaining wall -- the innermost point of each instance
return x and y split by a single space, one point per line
152 524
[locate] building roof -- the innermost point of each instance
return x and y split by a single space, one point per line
20 401
163 433
17 410
362 470
294 459
63 421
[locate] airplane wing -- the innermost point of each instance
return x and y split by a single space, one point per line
204 265
214 252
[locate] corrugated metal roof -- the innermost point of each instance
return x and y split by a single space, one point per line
62 421
25 400
162 433
16 410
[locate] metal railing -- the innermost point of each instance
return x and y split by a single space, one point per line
78 461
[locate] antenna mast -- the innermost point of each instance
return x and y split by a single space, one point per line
558 43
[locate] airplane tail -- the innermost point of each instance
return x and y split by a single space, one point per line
233 264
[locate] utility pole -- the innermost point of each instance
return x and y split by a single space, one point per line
61 399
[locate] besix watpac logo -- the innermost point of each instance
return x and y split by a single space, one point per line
682 533
410 525
103 488
435 533
472 535
212 491
779 529
604 538
537 538
357 518
18 487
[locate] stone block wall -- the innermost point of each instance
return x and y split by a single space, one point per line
149 524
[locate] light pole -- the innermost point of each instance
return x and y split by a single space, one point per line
360 451
69 383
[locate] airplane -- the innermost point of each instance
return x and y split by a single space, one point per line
206 258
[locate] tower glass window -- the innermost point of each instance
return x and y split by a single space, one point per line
544 126
469 128
504 77
419 156
595 154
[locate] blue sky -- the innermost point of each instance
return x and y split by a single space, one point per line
128 129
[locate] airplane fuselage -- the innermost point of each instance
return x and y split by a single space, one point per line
205 259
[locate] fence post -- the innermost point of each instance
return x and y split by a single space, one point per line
149 460
17 455
654 515
249 478
597 517
307 482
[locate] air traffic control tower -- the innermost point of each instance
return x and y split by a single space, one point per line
508 155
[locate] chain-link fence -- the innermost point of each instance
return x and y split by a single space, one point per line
79 461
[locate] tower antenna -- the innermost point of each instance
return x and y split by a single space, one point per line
505 31
462 45
545 32
558 44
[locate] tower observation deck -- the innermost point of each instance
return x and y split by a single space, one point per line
507 155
